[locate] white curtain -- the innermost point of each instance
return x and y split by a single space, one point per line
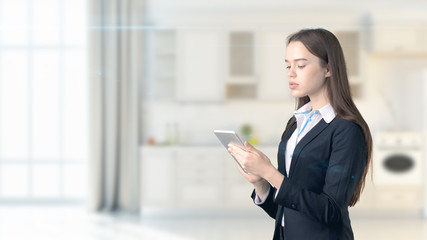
115 50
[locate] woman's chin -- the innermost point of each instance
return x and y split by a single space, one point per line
297 94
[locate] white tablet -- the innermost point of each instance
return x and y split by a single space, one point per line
226 137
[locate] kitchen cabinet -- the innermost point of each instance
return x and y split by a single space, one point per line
212 65
191 178
199 179
241 56
195 65
237 190
162 68
398 31
399 40
350 43
241 81
158 171
399 198
273 84
199 67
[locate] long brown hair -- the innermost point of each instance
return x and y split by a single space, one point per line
325 45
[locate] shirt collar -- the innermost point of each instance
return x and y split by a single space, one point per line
327 112
304 109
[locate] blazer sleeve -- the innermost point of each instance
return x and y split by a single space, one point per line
345 169
269 206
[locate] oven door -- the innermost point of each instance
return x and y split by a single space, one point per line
392 167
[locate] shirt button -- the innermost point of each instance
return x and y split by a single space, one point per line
294 206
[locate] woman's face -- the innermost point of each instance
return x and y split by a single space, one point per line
306 75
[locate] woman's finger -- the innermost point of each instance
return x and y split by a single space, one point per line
234 149
248 146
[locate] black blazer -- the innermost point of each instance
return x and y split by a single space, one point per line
326 168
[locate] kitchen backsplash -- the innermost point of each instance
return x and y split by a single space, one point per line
193 123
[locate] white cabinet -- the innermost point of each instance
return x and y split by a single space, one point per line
199 177
214 65
161 70
350 41
200 72
405 39
194 178
237 191
157 173
397 31
183 177
241 81
399 198
273 84
248 64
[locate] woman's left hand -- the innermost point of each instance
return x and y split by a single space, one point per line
252 160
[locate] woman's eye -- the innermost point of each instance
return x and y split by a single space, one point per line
288 67
301 67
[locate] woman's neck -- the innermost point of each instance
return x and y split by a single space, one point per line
319 101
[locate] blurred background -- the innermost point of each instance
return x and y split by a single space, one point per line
107 112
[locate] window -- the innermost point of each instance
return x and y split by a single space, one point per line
43 101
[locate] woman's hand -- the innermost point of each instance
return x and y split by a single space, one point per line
261 172
253 161
252 178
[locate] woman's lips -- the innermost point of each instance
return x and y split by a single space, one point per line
292 85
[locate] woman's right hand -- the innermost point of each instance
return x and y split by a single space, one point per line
252 178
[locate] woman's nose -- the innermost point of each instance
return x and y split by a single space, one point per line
291 72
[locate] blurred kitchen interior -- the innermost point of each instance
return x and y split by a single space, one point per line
107 112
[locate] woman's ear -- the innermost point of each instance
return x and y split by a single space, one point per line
328 72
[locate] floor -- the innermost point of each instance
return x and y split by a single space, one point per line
17 222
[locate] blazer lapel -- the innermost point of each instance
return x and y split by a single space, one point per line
282 149
304 141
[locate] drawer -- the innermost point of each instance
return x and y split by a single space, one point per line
399 198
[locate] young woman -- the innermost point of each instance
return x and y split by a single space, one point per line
325 150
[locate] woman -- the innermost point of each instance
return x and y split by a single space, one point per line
325 150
